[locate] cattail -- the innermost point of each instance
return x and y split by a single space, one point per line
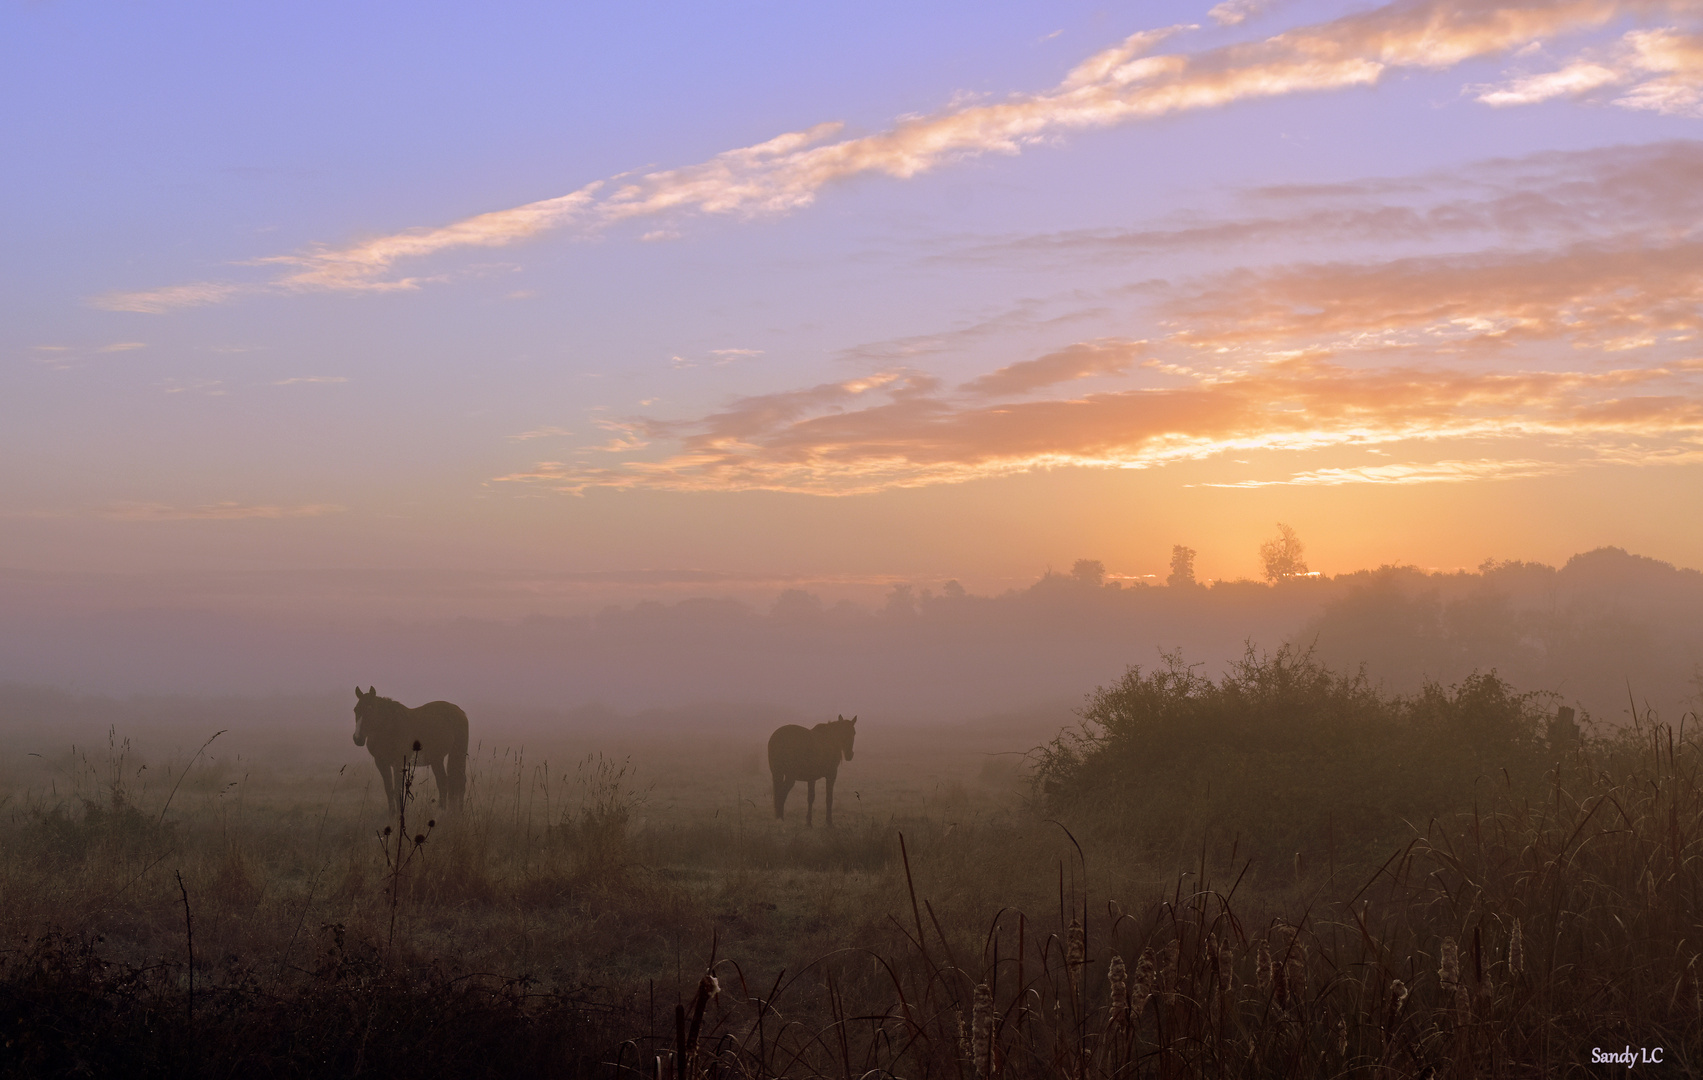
1342 1038
1280 984
1398 995
1516 951
963 1036
1145 976
1168 957
1262 967
1117 976
1226 969
981 1032
1449 973
1078 951
1295 975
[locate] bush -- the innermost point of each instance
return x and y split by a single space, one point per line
1285 757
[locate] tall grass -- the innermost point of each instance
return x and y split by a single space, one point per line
566 924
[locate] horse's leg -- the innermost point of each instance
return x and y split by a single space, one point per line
828 801
441 775
783 788
810 804
389 785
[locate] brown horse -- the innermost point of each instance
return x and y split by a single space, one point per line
395 735
809 754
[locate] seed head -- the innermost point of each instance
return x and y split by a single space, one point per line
416 746
1226 969
1463 1003
1516 951
1262 967
387 830
1145 977
1078 951
1449 973
432 823
1117 976
419 838
981 1032
1342 1038
1398 995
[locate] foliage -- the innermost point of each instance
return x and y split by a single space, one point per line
1281 555
1285 756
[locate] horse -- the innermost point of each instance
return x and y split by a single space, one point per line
396 736
809 754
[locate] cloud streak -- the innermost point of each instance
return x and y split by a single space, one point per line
1485 346
1125 83
219 511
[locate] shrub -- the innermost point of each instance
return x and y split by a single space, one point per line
1285 756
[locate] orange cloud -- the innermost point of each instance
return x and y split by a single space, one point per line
1119 85
1481 347
916 436
1073 362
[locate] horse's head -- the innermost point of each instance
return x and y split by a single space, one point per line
364 702
847 732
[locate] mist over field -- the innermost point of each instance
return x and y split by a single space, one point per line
1604 630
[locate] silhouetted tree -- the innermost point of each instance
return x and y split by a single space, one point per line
1182 566
1089 572
901 602
1282 555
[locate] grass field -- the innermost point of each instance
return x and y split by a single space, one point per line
568 920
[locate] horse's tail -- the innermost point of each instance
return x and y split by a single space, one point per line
456 766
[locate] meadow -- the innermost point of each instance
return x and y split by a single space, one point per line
1281 872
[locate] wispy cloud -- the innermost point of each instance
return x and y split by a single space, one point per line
1432 472
171 298
122 346
831 440
541 433
294 379
1576 345
1078 361
1606 192
219 511
1656 70
1125 83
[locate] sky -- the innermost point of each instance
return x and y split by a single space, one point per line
530 308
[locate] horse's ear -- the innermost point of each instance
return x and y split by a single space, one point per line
841 717
854 721
372 691
359 693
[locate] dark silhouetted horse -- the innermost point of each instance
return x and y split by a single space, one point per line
435 734
809 754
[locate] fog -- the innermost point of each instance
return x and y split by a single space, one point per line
1604 629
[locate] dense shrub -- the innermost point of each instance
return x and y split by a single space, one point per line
1286 756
